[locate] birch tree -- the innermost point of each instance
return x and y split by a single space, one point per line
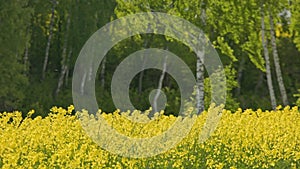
47 51
65 57
267 58
160 85
277 61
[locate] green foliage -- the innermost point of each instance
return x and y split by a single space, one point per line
14 19
298 98
295 24
233 26
231 84
254 49
174 101
225 48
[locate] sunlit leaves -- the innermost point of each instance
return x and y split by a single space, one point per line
295 24
225 48
254 50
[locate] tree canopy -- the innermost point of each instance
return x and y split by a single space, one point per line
41 40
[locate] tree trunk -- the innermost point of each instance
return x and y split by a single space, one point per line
160 83
67 68
26 57
203 13
146 45
90 73
141 77
200 68
64 58
26 52
266 55
82 85
240 75
102 74
61 79
49 39
277 63
200 81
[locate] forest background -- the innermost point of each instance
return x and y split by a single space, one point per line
258 42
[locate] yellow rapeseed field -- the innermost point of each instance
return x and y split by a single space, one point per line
243 139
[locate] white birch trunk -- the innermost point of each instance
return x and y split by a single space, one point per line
82 85
160 83
240 75
277 63
67 68
64 58
200 81
140 88
200 68
102 74
141 77
266 55
49 40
